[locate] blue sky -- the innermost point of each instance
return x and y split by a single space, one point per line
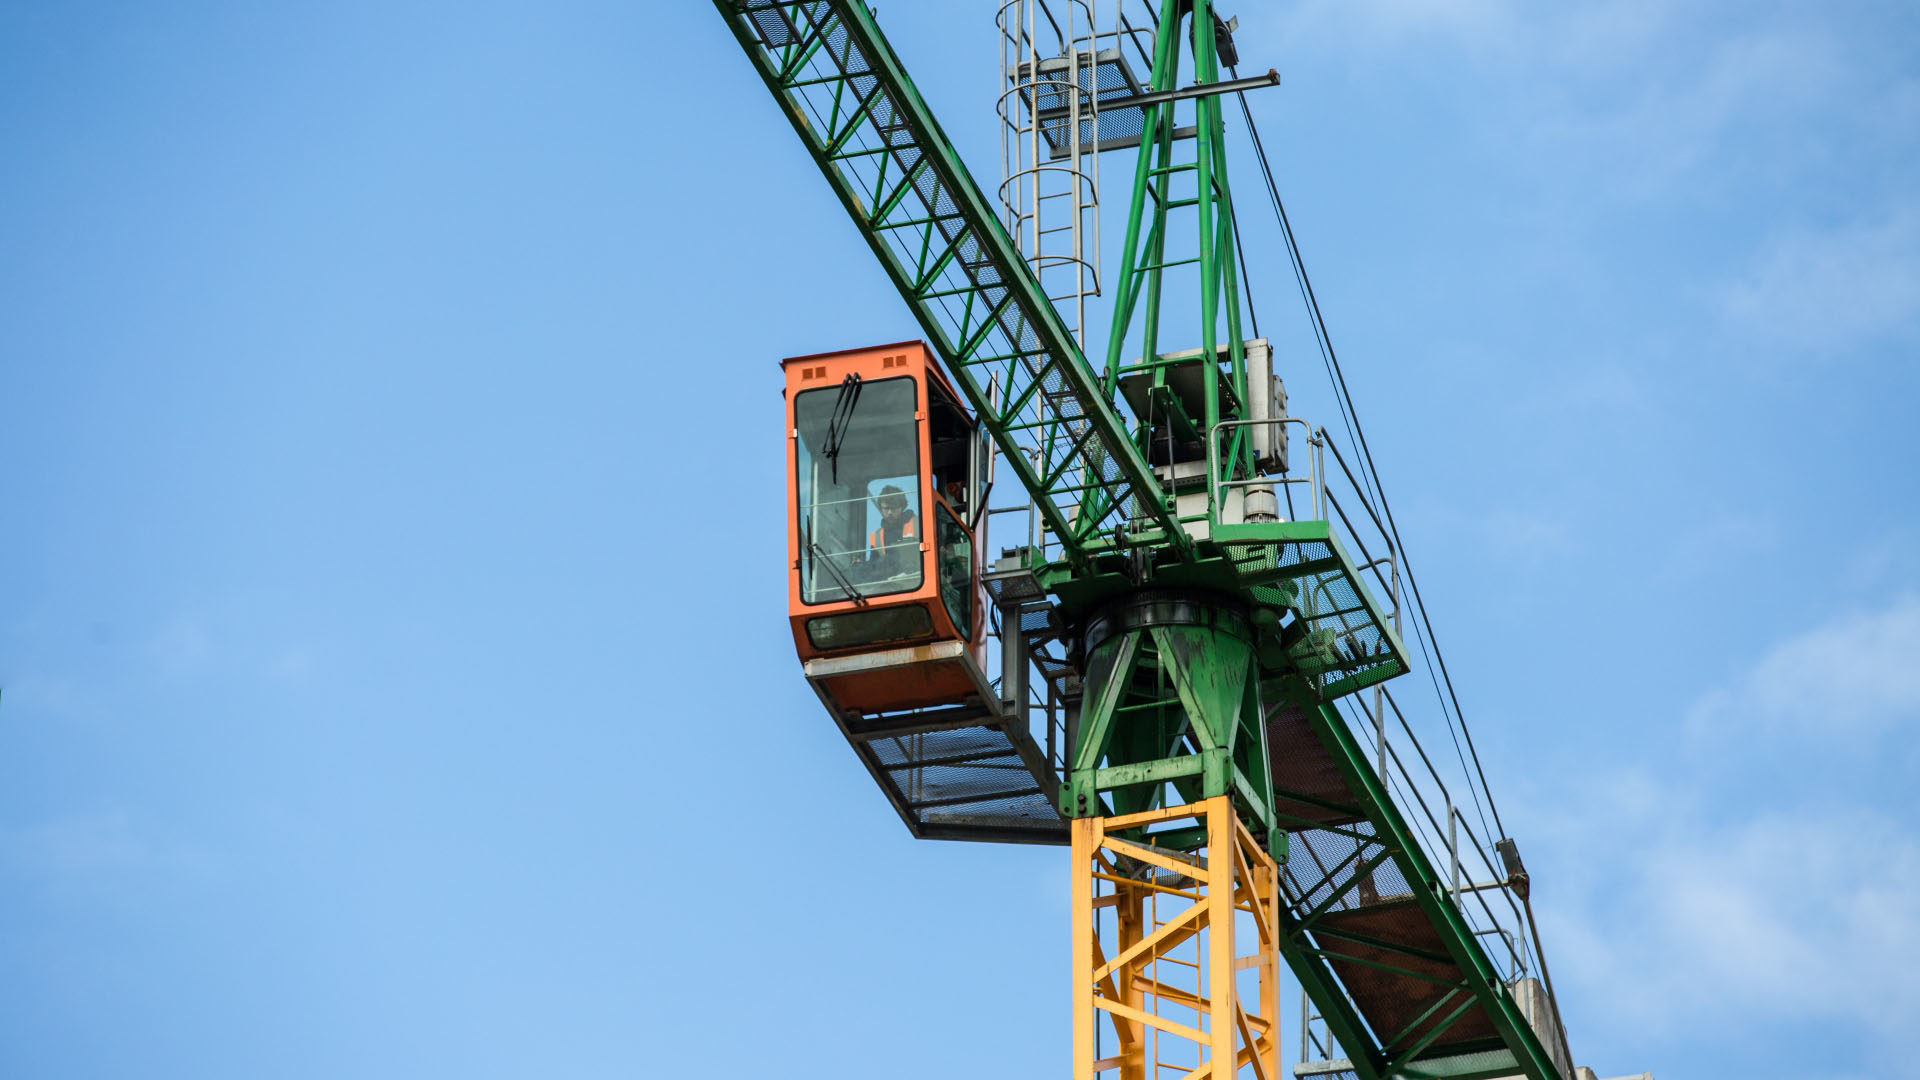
391 591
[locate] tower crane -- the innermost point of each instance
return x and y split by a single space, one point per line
1180 674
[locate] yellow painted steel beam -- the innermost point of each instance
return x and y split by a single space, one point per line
1266 882
1187 960
1154 858
1185 925
1085 844
1260 920
1244 1058
1169 992
1220 874
1166 890
1122 822
1171 1027
1130 1034
1251 1041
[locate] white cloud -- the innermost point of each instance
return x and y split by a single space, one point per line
87 849
1646 101
103 853
1827 291
1529 535
1855 674
1607 389
1782 917
1604 34
238 638
184 646
1351 24
1694 894
1714 539
1680 118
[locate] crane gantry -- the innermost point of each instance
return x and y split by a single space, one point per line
1193 644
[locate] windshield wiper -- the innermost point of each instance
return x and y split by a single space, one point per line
839 578
817 555
838 423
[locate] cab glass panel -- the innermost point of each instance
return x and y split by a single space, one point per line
951 438
858 488
872 626
956 571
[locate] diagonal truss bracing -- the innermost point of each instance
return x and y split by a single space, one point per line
934 231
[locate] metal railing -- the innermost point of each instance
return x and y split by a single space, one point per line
1435 799
1218 486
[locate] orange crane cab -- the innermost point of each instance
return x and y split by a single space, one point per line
887 480
886 475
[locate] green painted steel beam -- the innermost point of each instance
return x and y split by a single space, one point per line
904 186
1485 1065
1336 1010
1430 895
1142 284
1147 772
1370 942
1171 698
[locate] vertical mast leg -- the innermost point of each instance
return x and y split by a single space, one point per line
1175 963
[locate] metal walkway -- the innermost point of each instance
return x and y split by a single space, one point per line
1374 934
964 772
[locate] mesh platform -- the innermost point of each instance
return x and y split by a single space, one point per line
1341 640
966 783
959 772
1112 83
1307 788
1349 887
1395 1004
1338 1069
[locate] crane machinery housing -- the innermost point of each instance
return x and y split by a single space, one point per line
1179 672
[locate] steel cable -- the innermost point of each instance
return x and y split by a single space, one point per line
1371 476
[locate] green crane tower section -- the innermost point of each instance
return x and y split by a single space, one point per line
1210 628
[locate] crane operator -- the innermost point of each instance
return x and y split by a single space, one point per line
898 529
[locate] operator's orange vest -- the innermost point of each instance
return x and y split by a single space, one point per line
878 540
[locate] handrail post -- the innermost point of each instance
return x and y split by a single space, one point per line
1213 482
1380 735
1317 462
1453 848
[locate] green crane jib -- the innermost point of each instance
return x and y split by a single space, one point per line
1212 645
900 179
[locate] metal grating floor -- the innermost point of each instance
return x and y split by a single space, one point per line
1393 1004
1363 920
966 783
955 772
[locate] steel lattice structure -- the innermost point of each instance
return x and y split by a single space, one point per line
1210 642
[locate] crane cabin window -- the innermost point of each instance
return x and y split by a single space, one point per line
956 572
858 490
950 432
